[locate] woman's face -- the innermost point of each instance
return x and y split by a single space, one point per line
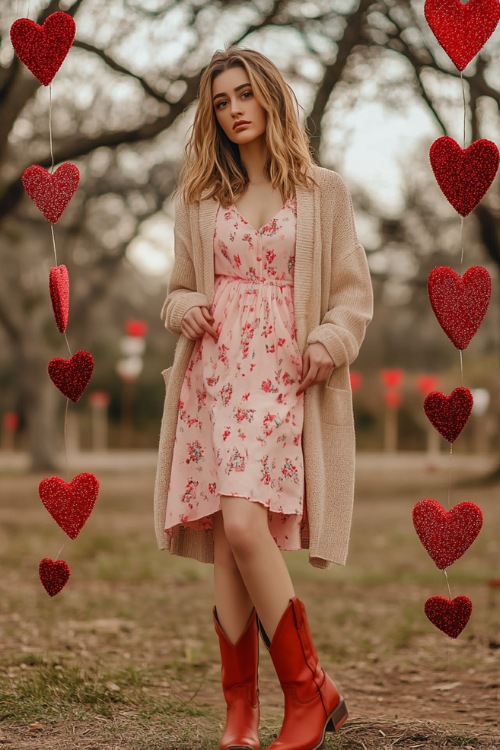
232 105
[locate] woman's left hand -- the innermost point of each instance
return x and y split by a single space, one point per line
317 365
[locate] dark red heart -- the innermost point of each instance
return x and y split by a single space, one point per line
59 294
51 192
449 615
462 29
70 504
464 175
446 535
459 302
53 574
71 376
43 48
449 414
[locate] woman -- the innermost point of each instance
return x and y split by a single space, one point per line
271 293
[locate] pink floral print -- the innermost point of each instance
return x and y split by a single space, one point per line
239 428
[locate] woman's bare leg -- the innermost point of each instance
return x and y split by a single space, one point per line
231 596
259 560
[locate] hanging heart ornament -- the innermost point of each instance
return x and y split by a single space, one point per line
462 29
449 414
459 302
70 504
51 193
446 535
464 174
43 49
71 376
53 574
59 295
449 615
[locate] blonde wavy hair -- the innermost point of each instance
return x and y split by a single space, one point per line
213 162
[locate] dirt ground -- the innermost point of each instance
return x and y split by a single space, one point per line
126 655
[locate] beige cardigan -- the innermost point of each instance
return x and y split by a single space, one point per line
333 303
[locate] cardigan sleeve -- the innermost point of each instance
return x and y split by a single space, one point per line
350 305
181 292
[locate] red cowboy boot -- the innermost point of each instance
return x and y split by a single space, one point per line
312 702
240 686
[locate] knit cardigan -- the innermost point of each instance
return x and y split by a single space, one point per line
333 304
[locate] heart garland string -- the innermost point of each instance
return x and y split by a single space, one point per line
459 302
43 50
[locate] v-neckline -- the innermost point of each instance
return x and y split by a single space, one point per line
267 222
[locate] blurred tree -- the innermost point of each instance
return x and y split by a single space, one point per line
120 105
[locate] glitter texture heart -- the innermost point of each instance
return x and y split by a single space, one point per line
53 574
449 615
460 29
59 295
51 193
446 535
464 175
70 504
459 302
72 376
43 49
449 414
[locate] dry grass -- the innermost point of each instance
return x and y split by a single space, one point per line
126 656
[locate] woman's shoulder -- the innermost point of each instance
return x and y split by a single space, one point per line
327 177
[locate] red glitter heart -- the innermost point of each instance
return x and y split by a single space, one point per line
464 174
71 504
449 414
449 615
53 574
459 302
59 294
460 29
43 48
51 193
446 535
71 376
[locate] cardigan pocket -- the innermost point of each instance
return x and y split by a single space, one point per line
337 406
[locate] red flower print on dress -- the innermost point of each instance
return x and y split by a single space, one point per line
195 452
226 392
268 419
226 434
268 387
236 462
247 414
289 470
189 493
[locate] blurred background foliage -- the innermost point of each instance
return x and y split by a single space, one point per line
122 105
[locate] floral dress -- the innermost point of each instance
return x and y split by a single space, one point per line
239 427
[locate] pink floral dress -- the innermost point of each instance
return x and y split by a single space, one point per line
240 421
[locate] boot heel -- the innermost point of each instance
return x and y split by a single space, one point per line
337 717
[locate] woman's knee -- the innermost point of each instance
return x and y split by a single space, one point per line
244 523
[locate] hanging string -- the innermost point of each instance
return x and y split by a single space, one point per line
447 583
65 437
461 241
449 480
463 96
57 556
50 126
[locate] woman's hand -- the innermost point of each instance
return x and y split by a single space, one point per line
196 322
317 365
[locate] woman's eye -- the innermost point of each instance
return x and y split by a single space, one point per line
218 106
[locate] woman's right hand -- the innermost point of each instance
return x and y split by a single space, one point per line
196 322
